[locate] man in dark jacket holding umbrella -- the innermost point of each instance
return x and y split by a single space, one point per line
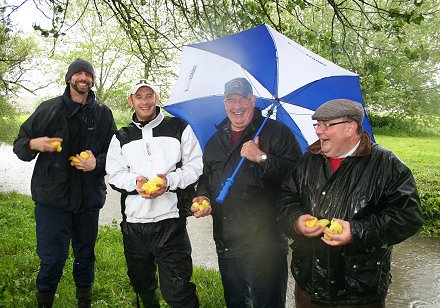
369 196
252 251
68 189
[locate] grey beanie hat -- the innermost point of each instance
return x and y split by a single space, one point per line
80 65
338 108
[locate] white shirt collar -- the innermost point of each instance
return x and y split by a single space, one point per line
352 150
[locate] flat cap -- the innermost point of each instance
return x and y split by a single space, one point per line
339 108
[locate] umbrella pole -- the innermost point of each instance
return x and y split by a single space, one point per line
230 181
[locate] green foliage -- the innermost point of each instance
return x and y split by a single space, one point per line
392 45
397 58
394 124
431 214
9 125
16 52
102 44
19 265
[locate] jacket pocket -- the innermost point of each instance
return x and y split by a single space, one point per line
368 274
51 190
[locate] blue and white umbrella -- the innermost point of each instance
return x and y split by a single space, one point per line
279 70
287 79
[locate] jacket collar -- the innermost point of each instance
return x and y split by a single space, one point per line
73 107
151 124
363 149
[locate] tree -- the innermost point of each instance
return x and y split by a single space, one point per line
391 44
96 39
156 40
16 54
397 62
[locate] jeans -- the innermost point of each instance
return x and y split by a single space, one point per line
55 228
255 281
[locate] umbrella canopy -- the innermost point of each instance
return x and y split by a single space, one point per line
279 70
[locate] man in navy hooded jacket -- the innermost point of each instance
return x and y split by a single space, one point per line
67 197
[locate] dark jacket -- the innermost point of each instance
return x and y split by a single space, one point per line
83 127
245 223
376 193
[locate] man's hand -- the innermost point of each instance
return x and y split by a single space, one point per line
86 164
162 187
140 181
251 151
339 239
201 212
301 228
43 144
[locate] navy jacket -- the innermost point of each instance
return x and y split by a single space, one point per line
245 223
83 127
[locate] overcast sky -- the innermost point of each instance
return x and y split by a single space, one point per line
26 15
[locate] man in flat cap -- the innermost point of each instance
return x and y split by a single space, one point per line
251 247
370 200
67 188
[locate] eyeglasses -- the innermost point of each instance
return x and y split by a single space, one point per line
324 126
242 101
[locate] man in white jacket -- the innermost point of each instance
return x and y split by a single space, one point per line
154 163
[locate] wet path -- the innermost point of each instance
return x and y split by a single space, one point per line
415 266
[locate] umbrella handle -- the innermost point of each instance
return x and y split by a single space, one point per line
225 190
229 182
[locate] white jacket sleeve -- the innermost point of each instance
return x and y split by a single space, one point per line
192 165
119 175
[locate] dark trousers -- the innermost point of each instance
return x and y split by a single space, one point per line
55 229
255 281
162 245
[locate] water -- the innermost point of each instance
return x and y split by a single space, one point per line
415 267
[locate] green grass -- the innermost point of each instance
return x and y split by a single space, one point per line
421 155
19 265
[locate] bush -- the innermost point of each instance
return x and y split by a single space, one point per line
409 126
8 122
431 214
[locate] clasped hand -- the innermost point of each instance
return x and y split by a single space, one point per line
251 151
335 239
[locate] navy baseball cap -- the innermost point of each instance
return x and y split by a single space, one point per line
240 86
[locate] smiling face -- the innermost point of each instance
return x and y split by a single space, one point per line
337 140
81 82
240 110
144 103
